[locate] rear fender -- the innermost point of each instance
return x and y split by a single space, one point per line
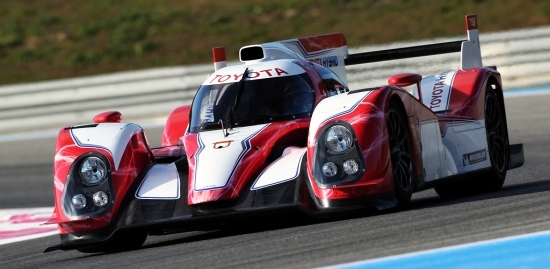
458 93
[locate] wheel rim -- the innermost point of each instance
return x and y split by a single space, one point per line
399 151
496 136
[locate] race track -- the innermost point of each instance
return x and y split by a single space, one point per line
522 206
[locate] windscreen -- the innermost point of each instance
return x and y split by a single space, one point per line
251 102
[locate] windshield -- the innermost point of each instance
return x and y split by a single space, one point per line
260 101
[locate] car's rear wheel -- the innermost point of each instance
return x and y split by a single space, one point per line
498 151
497 142
400 154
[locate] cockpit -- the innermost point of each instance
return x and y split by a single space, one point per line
251 102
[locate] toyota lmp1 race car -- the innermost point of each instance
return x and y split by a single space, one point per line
280 132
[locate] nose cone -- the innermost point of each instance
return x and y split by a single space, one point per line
221 163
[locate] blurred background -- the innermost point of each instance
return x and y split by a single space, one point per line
62 62
52 39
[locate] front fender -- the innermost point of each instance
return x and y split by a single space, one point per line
123 148
363 112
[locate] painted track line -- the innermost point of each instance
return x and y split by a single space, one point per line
522 251
25 224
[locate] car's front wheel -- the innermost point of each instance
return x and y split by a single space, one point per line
400 154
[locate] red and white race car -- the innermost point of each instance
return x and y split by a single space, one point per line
282 132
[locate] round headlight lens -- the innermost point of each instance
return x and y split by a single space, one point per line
92 171
330 169
79 201
100 198
351 167
338 138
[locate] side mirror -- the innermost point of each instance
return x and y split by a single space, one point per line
108 116
404 79
407 79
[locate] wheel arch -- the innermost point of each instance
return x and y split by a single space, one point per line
495 83
397 99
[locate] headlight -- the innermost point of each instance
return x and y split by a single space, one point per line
100 198
351 167
79 201
93 171
338 139
329 169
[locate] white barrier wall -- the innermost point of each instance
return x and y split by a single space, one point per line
522 57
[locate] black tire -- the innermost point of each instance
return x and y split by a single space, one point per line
400 154
497 142
121 242
498 148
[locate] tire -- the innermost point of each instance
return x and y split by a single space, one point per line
497 142
400 154
498 149
121 242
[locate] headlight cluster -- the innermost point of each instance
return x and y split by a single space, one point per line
338 159
89 188
93 172
338 140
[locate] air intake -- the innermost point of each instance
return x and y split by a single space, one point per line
251 53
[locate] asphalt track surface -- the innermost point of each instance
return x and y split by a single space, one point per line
522 206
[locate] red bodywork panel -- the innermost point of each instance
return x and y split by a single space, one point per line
175 127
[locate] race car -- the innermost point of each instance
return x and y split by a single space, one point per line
282 131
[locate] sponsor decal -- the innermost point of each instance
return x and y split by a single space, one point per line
472 21
226 78
329 61
437 91
474 157
222 144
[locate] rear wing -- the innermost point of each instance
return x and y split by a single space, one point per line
470 50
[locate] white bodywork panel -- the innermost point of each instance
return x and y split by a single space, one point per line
470 56
433 152
285 168
113 137
436 91
222 155
467 144
333 107
161 182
